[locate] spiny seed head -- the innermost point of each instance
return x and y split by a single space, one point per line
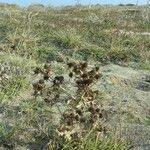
59 78
45 77
8 145
100 115
74 136
91 109
99 129
69 122
78 111
84 75
76 70
84 82
82 119
61 129
105 130
79 82
57 96
92 72
46 100
40 87
35 85
97 110
91 120
70 74
41 81
37 70
97 68
71 64
95 116
96 92
87 81
71 115
13 46
97 76
47 66
65 115
77 117
83 65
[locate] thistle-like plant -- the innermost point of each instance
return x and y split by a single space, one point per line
84 113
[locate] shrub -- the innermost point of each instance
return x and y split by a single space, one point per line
81 124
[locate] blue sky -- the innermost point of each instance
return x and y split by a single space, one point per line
70 2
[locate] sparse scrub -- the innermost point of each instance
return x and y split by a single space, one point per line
57 105
32 33
82 123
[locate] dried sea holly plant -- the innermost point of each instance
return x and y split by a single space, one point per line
84 116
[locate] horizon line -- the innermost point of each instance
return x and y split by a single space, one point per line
123 4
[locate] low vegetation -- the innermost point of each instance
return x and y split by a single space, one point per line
49 68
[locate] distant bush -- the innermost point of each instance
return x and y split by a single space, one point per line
130 4
6 5
121 5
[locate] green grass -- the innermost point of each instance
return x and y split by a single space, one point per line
68 38
147 120
6 133
18 61
108 143
33 32
13 86
145 66
39 34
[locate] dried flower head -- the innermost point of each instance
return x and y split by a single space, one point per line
47 67
37 70
83 66
71 74
58 80
71 64
97 76
97 68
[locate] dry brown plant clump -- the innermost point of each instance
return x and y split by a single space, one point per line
84 114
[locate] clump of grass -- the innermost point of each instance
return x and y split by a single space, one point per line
23 42
90 143
92 52
147 120
68 38
6 134
16 60
12 86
